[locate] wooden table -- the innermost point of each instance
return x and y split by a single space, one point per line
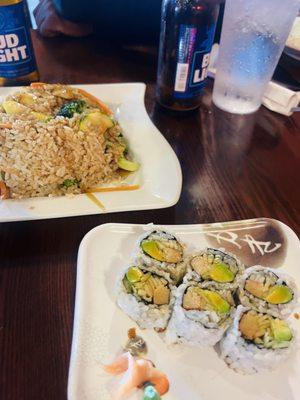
234 167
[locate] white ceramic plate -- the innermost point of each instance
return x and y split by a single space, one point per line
100 327
159 177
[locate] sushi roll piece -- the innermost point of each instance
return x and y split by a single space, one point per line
201 314
145 297
212 265
162 253
267 290
256 342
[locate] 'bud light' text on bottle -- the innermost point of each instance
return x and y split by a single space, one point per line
193 56
16 52
10 50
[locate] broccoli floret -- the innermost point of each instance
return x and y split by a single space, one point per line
72 107
69 182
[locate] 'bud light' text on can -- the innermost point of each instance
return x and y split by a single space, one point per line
17 62
187 34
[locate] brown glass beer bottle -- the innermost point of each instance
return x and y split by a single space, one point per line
186 38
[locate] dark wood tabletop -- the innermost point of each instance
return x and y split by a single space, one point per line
234 167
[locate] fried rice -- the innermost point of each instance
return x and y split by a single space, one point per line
45 154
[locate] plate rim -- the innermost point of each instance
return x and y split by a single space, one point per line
107 224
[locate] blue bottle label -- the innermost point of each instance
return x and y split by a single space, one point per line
193 54
16 52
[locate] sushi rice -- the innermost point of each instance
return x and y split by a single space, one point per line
162 253
213 265
137 298
199 326
248 355
267 290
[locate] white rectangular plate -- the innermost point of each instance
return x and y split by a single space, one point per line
100 327
159 177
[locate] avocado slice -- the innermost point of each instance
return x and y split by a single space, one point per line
221 273
197 298
127 285
134 274
96 120
150 247
217 302
14 108
127 165
279 294
281 331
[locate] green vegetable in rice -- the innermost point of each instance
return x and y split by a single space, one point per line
128 165
69 182
71 107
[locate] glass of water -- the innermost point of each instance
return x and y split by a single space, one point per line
253 37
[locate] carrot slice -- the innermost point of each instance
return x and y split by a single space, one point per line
4 125
94 199
37 84
95 100
113 189
4 191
